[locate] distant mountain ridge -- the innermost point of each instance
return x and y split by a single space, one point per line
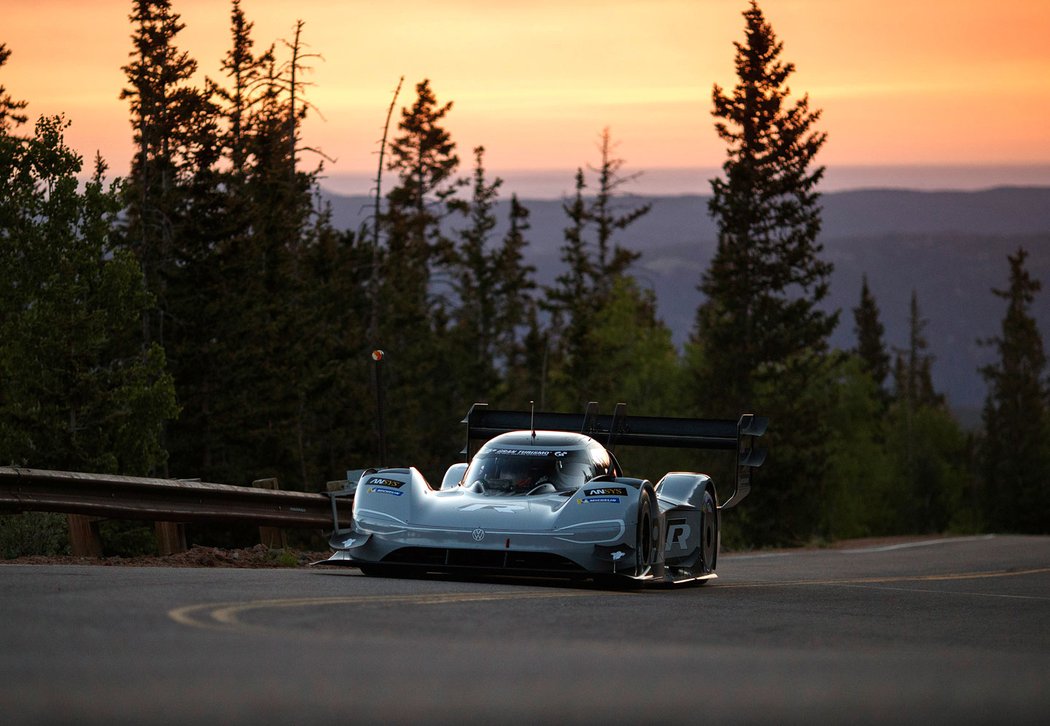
949 246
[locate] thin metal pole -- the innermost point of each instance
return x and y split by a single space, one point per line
377 356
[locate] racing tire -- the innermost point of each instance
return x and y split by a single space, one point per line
646 541
709 533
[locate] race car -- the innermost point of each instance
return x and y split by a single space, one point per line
544 495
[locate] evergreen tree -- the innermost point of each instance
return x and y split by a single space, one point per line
167 114
11 114
860 492
492 285
474 282
276 272
570 305
871 349
516 309
528 378
761 335
413 316
595 269
638 363
177 215
611 260
237 260
1015 452
913 369
574 284
766 281
215 349
77 389
424 157
245 73
925 440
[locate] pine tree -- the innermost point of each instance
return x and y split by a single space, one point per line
761 334
215 353
861 491
638 363
77 389
11 110
570 307
871 348
273 332
474 282
492 285
414 317
173 203
166 114
594 276
1015 453
241 247
424 157
245 73
925 440
913 369
611 260
766 282
515 304
331 374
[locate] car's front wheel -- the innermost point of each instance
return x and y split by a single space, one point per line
646 540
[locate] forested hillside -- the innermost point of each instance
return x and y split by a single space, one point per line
950 247
211 313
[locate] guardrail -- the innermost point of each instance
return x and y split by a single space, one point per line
163 501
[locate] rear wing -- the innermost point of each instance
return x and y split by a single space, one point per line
484 423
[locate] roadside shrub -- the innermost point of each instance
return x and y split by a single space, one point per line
33 533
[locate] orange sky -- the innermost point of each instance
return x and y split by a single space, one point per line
535 81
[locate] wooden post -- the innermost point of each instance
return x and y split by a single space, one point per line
84 539
273 537
171 537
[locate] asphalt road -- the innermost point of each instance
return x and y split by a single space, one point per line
953 631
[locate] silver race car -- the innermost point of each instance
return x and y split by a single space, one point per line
545 496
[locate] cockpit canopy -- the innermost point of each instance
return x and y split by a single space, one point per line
514 464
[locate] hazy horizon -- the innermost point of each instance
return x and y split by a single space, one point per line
559 183
897 82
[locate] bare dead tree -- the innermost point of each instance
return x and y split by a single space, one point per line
374 323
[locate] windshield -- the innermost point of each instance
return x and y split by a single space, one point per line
524 471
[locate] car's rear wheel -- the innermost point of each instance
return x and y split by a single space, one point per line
708 533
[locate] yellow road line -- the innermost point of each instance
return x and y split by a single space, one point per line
226 616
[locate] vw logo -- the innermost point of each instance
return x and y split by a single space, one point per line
478 534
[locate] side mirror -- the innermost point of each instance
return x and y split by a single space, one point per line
454 476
